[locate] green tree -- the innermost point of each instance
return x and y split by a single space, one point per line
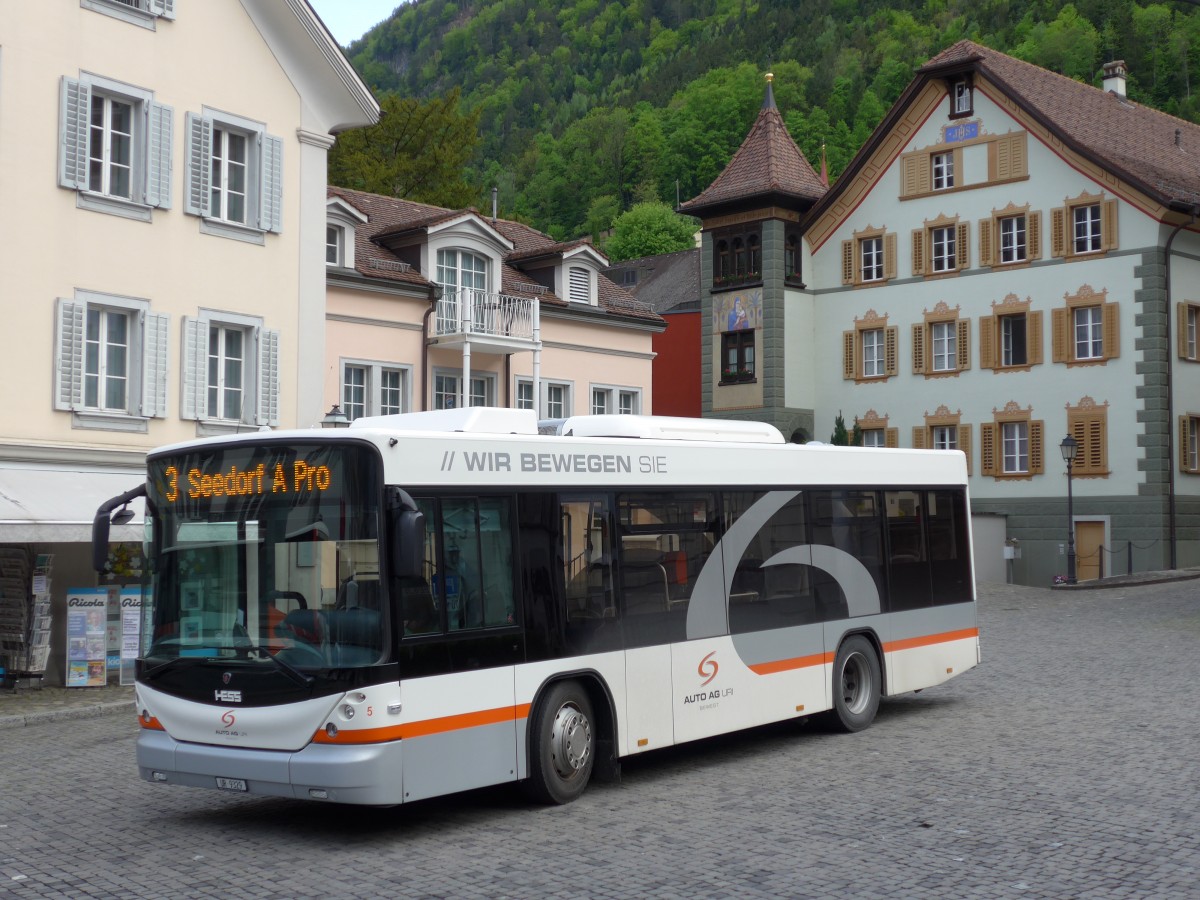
649 229
417 152
840 436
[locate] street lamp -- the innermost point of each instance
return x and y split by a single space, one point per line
1070 449
335 418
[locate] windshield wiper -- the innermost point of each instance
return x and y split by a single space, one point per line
179 662
241 640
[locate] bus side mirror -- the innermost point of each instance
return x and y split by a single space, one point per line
407 539
105 516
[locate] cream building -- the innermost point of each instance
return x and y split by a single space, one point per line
162 165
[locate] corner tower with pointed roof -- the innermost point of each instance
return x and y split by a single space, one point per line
752 273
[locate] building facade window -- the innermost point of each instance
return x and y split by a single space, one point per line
1086 329
447 390
737 356
579 284
941 344
115 147
869 257
234 176
558 400
1085 225
333 245
869 349
873 430
944 430
1189 443
230 371
1087 422
942 170
995 159
1012 446
961 99
941 247
524 393
1013 246
737 256
610 399
110 361
1011 337
374 389
793 243
135 12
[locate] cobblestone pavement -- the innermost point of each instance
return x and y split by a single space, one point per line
1064 766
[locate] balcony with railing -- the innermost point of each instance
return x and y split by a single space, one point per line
497 323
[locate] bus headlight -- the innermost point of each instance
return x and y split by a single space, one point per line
348 711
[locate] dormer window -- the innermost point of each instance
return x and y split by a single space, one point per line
962 102
458 269
579 285
340 222
334 245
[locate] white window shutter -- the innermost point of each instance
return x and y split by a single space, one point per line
194 399
154 356
196 199
164 8
270 207
579 285
158 168
68 354
268 377
74 106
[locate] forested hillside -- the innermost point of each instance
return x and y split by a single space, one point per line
583 108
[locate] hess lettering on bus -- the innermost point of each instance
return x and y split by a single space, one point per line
298 478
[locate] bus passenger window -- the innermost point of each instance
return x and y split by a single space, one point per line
848 521
763 597
949 550
908 561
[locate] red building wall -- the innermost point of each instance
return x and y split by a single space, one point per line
676 368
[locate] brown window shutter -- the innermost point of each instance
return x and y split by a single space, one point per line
891 365
962 246
847 262
1108 222
964 443
963 327
1033 235
1077 428
1097 445
849 365
918 438
910 167
987 342
1058 232
889 256
1017 163
891 438
918 349
1033 339
1181 313
1037 446
1060 330
1184 449
987 448
918 251
1112 330
986 250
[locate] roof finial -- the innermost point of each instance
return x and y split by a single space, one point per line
769 99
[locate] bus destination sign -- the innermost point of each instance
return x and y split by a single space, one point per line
297 478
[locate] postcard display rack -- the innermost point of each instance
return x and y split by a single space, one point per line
24 614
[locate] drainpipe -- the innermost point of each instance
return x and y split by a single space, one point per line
435 294
1191 211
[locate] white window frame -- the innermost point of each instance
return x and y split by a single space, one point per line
1087 228
335 247
1006 339
962 98
524 394
483 388
618 399
874 437
557 399
1193 313
1014 246
374 390
150 147
264 176
874 363
136 12
260 375
944 338
145 369
943 242
942 170
871 250
945 437
1087 332
1193 426
1014 439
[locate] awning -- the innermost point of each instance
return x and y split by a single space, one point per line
54 504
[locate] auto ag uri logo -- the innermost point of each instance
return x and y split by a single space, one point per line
228 718
708 666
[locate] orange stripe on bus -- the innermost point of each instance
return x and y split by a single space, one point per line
424 727
926 640
785 665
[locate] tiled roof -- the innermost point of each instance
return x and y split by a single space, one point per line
768 162
1155 151
666 282
390 216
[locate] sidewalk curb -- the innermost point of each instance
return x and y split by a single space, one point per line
58 715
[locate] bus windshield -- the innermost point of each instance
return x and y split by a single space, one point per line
267 552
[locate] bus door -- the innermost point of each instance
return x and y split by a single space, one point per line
461 641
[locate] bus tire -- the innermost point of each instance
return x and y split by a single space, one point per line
564 748
857 685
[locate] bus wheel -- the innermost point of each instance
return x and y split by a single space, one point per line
857 685
562 760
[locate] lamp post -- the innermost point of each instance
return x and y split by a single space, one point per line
1070 449
335 418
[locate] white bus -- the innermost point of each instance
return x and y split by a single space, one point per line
432 602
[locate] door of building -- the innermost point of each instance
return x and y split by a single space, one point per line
1089 549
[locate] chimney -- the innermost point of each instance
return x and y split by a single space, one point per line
1114 77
